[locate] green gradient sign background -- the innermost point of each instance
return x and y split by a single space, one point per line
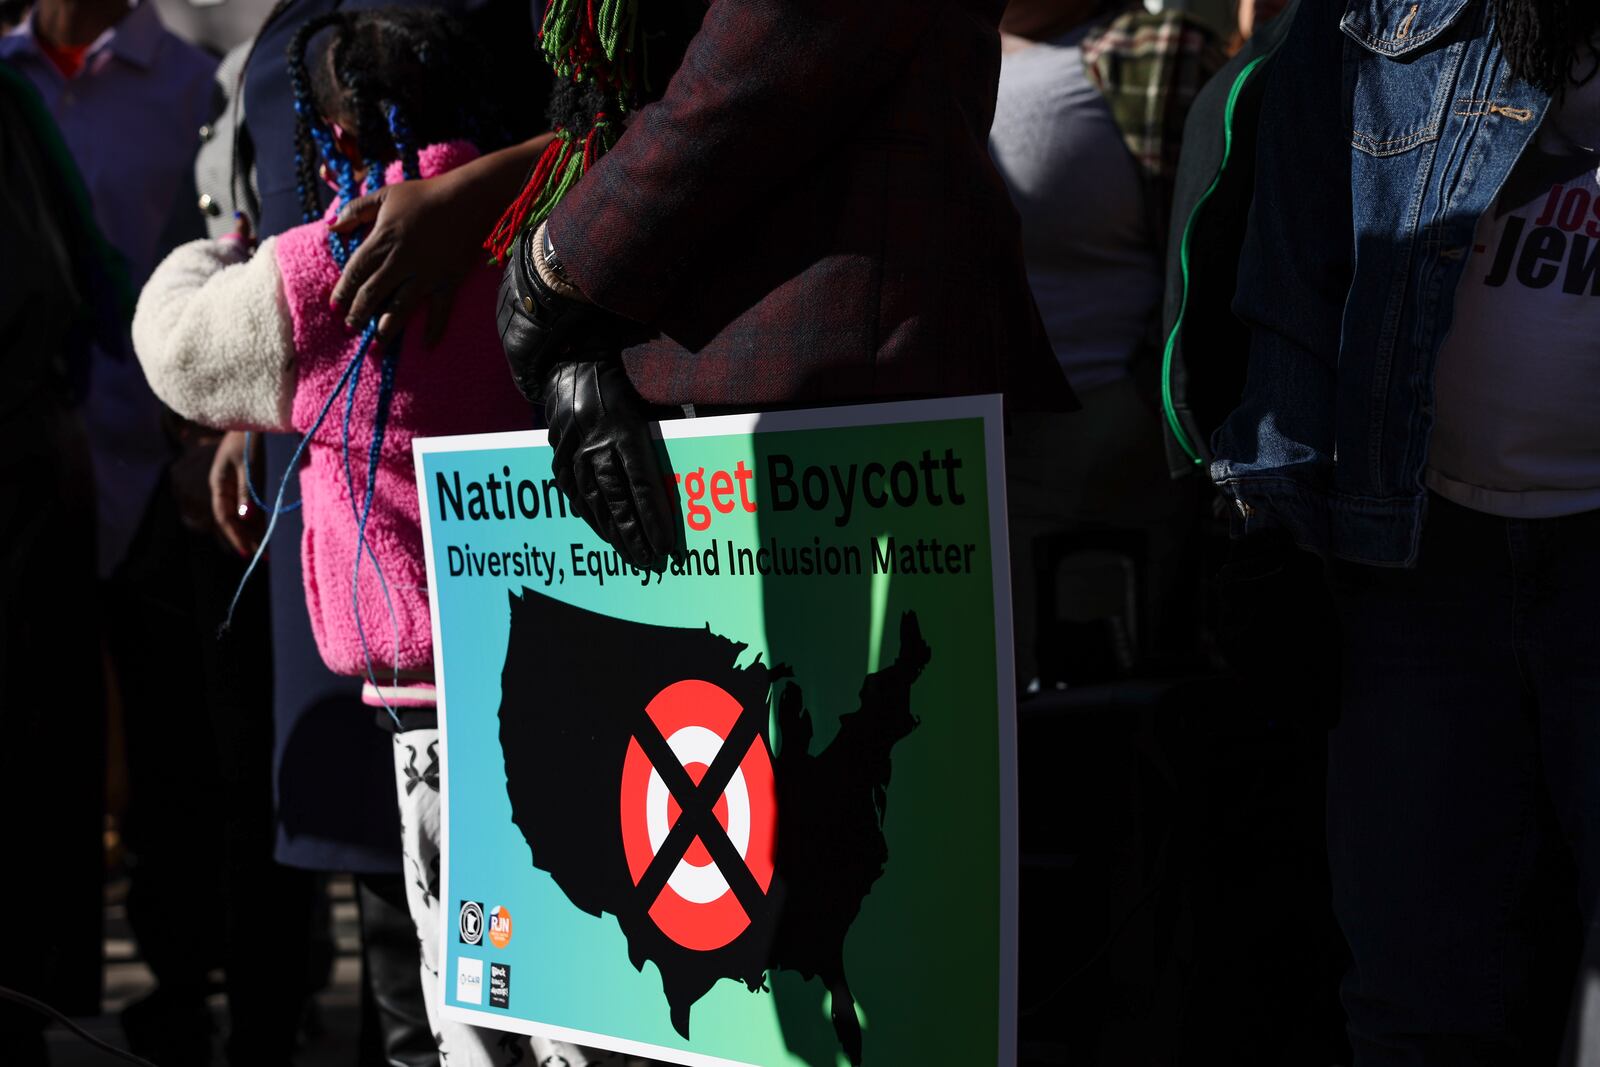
931 956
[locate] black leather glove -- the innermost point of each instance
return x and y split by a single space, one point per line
539 327
563 354
608 464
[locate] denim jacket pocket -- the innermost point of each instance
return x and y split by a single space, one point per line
1401 71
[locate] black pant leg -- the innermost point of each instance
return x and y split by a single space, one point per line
52 722
1439 829
1563 654
391 973
266 945
175 796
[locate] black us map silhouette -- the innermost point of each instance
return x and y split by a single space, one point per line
573 693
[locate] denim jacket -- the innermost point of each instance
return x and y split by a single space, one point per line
1388 129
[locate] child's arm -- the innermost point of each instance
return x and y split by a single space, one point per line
214 336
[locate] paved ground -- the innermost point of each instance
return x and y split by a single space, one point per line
127 979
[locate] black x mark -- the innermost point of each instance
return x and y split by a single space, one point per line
698 804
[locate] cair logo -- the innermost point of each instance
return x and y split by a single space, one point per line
500 926
469 980
470 922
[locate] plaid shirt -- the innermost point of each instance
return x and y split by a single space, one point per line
1150 68
810 215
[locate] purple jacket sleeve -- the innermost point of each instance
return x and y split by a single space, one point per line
765 87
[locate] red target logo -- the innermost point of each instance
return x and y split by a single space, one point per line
700 814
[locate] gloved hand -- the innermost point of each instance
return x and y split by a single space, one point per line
607 463
563 354
540 327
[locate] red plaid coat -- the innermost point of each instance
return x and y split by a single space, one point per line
810 214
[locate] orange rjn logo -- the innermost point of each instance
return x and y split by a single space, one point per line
500 926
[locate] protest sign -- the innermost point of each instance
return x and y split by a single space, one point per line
759 809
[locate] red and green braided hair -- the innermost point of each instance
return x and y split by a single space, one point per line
608 58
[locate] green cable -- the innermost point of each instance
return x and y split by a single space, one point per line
1167 404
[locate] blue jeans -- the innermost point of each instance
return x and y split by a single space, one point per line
1464 789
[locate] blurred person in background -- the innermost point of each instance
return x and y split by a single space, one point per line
1088 125
129 98
218 26
60 289
1252 15
12 12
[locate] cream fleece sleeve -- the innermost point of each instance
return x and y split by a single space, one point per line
213 333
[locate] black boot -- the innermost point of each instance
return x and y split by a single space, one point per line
394 1020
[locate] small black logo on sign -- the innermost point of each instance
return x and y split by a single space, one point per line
470 922
499 985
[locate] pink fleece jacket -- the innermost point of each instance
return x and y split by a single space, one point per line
459 386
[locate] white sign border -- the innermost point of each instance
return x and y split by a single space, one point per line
989 409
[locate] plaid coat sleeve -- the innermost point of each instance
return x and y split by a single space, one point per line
765 87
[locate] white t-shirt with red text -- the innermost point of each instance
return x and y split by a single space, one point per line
1517 425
